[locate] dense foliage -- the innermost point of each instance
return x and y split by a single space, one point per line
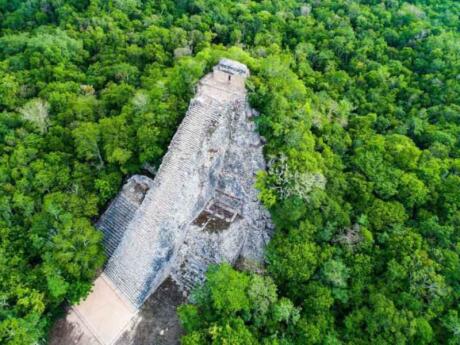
239 299
360 106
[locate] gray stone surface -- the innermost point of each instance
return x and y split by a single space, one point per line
232 67
115 220
202 207
161 235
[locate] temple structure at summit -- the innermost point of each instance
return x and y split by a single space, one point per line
201 208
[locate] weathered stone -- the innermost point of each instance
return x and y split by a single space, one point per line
114 222
201 208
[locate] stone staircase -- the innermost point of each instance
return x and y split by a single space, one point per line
115 221
201 209
133 269
192 272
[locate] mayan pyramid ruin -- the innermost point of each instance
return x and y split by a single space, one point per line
201 208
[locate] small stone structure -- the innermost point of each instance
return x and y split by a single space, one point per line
201 208
114 222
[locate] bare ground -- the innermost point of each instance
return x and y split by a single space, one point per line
158 323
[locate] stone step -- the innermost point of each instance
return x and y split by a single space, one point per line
193 271
115 221
127 289
137 264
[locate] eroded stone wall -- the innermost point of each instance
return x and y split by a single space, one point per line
202 207
162 234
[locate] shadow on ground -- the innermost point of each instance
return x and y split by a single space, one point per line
158 324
